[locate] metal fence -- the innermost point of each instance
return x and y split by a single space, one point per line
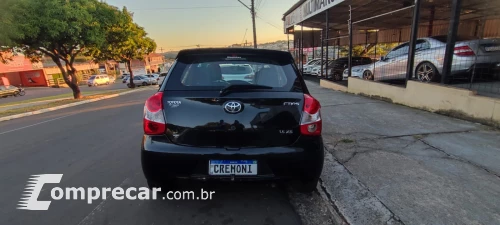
452 42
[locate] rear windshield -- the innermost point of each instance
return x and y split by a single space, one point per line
214 72
92 77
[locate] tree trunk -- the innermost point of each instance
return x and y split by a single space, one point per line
131 84
73 83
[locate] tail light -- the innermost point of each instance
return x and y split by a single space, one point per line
310 123
464 51
154 121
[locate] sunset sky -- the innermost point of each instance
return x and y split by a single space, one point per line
176 24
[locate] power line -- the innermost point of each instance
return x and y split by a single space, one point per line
244 36
260 4
195 7
266 21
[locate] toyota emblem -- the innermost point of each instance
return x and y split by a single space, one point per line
233 107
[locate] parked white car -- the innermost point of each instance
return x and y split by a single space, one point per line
96 80
316 69
140 80
308 66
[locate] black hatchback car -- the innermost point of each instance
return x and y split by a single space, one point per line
264 126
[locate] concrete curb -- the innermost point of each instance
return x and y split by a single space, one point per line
6 118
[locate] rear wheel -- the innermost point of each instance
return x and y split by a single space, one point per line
368 75
22 93
107 83
426 72
144 83
337 77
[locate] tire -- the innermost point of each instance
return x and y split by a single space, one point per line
144 83
22 93
128 85
16 94
426 72
90 85
337 77
107 83
368 75
308 186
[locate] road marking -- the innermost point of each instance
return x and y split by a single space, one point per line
88 218
32 125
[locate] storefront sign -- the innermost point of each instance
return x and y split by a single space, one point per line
307 10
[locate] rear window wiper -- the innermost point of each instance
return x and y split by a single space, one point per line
242 87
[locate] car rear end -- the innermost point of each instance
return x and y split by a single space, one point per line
203 127
484 54
481 56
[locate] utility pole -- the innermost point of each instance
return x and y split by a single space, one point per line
253 22
161 49
252 11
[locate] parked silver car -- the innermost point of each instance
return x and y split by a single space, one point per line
153 77
140 80
242 72
469 54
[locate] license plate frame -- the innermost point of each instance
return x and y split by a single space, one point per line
232 167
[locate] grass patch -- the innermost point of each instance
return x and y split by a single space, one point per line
57 103
67 95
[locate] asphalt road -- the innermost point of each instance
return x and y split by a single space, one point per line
97 145
40 92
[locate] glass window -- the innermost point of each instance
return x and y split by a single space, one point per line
422 45
215 72
398 51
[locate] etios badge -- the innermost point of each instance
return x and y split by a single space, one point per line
233 107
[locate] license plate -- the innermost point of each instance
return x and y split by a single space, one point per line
232 167
492 48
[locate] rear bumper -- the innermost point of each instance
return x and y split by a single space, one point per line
162 161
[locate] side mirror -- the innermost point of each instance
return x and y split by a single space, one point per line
383 58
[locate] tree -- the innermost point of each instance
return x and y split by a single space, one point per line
8 30
60 29
125 41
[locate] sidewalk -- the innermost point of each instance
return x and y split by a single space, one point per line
390 164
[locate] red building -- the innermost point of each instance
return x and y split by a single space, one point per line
21 71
